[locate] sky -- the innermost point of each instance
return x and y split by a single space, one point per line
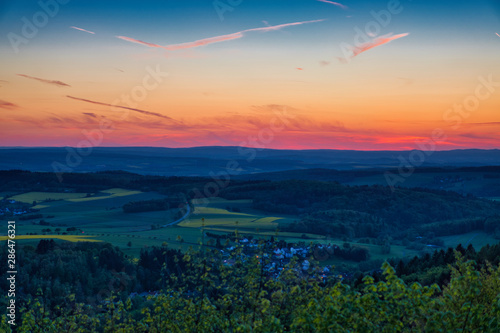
284 74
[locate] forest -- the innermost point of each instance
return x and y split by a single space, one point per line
370 211
95 288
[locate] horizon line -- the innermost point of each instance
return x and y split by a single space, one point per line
278 149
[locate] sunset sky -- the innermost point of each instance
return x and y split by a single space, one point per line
297 74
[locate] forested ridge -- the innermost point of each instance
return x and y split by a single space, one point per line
367 211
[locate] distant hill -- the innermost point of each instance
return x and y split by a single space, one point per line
204 161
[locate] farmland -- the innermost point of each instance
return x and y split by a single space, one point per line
46 196
99 216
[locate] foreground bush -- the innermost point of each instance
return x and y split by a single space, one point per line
242 299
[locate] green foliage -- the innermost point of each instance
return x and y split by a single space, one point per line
210 296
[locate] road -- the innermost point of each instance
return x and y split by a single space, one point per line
171 223
179 220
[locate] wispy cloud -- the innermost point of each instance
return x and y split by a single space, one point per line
7 105
481 137
356 50
54 82
496 33
84 30
90 114
216 39
324 63
491 123
334 3
122 107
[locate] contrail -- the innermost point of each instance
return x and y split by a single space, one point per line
57 83
376 42
90 32
122 107
334 3
216 39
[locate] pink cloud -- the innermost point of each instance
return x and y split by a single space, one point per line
334 3
216 39
496 33
374 43
90 32
7 105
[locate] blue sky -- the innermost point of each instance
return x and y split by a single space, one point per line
346 91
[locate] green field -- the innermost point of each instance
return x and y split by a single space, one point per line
247 220
101 218
99 215
42 196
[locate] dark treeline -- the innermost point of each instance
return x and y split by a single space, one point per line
19 181
152 205
30 217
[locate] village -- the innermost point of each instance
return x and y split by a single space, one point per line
10 207
278 254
